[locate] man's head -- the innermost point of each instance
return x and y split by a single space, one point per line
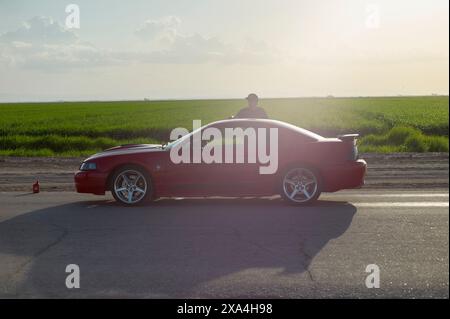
252 100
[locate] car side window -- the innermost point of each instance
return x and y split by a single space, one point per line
227 140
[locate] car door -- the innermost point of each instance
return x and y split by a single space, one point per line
221 177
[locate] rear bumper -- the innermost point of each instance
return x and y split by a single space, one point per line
90 182
344 176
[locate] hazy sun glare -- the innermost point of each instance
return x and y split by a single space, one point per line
213 49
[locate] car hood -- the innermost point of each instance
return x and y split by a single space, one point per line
128 149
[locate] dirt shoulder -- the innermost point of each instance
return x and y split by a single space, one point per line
397 170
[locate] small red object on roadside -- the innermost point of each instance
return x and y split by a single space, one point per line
36 187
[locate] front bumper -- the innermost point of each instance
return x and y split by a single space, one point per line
91 182
344 176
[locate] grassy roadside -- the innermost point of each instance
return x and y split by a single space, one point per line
386 124
56 145
403 139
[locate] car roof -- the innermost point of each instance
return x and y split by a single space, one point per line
273 122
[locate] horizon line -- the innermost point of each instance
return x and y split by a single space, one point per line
331 96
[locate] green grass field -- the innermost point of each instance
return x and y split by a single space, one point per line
387 124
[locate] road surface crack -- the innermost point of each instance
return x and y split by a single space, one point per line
305 258
41 251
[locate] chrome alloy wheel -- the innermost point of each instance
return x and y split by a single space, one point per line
130 186
300 185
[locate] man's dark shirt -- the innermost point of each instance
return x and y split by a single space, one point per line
252 113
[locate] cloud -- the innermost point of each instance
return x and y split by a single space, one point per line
180 48
40 30
196 49
163 29
41 43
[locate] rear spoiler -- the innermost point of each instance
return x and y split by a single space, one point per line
348 137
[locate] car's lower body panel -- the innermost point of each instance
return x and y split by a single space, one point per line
344 176
336 177
90 182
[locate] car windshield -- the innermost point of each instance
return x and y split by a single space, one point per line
183 138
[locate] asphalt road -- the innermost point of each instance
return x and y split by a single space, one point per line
226 248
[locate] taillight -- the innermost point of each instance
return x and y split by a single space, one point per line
355 153
351 140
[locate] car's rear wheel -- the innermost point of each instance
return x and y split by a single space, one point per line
131 185
300 185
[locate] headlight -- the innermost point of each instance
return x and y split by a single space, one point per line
88 166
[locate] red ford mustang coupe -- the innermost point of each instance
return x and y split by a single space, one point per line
307 165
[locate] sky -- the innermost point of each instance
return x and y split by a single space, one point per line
188 49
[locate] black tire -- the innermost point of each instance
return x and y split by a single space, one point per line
300 198
140 194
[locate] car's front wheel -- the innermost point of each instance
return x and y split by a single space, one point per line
131 185
300 185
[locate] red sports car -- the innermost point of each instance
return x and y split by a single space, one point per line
308 164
